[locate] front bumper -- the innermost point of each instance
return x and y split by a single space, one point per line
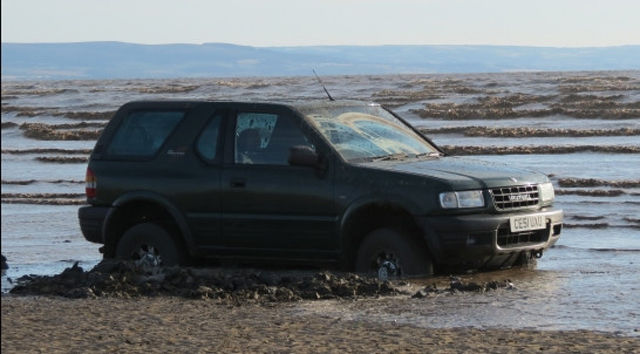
485 240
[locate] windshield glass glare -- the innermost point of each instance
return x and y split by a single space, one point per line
361 133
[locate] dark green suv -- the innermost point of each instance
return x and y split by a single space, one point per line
313 182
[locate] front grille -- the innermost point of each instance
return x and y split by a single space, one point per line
517 197
507 239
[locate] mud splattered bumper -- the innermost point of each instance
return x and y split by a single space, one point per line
485 240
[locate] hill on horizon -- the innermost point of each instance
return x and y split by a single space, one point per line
113 60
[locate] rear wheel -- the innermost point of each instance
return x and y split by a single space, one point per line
388 254
150 244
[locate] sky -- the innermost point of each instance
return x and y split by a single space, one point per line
556 23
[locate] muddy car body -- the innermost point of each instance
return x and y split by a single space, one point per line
336 181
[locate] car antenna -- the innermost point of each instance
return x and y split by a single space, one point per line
321 84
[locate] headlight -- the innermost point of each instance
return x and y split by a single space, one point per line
546 192
466 199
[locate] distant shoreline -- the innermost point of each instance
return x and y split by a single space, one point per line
118 60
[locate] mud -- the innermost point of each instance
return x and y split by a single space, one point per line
594 182
168 89
601 225
582 217
32 181
44 198
611 86
62 159
42 195
38 92
27 111
452 111
589 98
456 285
6 125
394 98
47 151
44 201
80 125
541 149
632 220
41 131
592 192
119 279
530 132
88 115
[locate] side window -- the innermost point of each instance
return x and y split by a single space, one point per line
207 144
143 132
264 138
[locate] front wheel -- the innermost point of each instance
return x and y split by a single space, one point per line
150 244
387 253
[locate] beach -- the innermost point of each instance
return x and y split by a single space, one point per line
582 129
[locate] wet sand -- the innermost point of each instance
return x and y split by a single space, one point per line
166 324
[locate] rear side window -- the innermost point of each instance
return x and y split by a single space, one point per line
142 133
208 142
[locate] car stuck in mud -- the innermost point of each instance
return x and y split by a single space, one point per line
342 182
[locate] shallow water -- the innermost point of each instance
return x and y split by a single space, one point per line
589 281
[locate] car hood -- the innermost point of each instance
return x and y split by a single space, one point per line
463 173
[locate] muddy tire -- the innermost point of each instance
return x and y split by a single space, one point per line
392 253
150 244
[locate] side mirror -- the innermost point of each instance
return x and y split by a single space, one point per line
302 155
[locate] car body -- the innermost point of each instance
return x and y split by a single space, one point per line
342 182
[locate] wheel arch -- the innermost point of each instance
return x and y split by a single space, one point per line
369 214
141 206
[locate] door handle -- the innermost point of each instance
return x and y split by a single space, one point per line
238 183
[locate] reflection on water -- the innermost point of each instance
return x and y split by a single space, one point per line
569 290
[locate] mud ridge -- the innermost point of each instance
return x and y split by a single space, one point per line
88 115
6 125
456 286
32 181
44 201
119 279
25 111
169 89
42 195
593 182
601 225
47 151
583 217
39 92
591 192
62 159
541 149
451 111
79 125
41 131
632 220
530 132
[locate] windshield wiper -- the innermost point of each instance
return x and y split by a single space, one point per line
428 154
397 156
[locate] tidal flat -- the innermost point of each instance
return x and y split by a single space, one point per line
582 129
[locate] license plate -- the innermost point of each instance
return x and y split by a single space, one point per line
527 223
